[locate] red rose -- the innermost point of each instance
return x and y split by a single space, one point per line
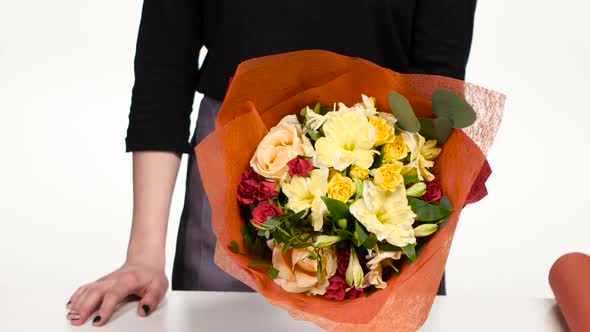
248 186
266 190
342 261
300 166
337 288
433 191
263 211
355 293
252 188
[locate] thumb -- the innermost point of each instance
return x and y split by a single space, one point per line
151 299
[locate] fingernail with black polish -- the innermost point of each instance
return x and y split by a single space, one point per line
70 301
146 309
96 319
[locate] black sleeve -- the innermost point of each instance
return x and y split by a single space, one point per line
442 36
166 71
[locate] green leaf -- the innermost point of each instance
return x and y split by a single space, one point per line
233 247
389 247
370 291
410 251
402 110
428 212
377 160
410 178
273 273
317 108
359 184
446 203
324 110
359 236
270 224
303 112
370 242
447 104
344 234
259 262
320 268
438 129
338 209
314 135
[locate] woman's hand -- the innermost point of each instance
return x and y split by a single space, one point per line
103 296
142 274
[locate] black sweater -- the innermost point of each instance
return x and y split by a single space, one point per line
408 36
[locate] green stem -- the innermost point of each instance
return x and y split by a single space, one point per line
283 231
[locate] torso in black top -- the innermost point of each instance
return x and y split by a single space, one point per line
421 36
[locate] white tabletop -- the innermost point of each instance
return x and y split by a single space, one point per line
27 310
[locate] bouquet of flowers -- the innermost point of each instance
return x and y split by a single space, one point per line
315 201
343 194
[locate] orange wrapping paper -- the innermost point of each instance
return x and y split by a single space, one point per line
569 277
266 89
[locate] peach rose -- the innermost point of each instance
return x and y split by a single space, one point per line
298 273
277 148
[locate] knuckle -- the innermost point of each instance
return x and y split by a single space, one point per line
80 289
93 292
129 278
110 297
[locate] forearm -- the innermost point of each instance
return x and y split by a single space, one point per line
154 176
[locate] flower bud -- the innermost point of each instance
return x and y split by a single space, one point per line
417 190
324 241
359 188
425 230
342 223
354 273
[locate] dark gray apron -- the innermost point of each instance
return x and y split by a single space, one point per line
194 268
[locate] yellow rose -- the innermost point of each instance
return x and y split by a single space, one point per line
277 148
332 172
341 188
395 150
298 273
359 173
384 130
388 176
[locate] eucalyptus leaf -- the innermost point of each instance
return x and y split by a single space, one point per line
438 129
270 224
447 104
428 212
404 113
338 209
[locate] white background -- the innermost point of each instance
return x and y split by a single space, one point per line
66 74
